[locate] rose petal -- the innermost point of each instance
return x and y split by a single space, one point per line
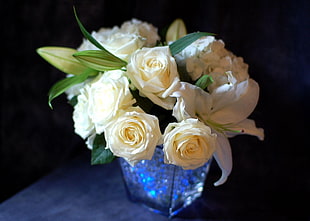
154 73
223 157
133 135
90 140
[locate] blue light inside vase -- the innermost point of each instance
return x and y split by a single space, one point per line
163 188
153 193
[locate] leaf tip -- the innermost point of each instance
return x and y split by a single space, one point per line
50 105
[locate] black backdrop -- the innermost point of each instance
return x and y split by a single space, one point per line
272 36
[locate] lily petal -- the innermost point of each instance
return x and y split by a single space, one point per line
223 157
247 126
240 109
228 94
179 111
195 101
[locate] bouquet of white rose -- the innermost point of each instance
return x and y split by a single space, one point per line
132 91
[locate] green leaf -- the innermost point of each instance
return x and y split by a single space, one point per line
61 58
73 101
176 30
99 154
204 81
90 38
99 60
185 41
62 85
86 33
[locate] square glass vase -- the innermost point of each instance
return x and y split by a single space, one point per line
163 188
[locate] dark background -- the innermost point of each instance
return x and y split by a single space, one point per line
269 178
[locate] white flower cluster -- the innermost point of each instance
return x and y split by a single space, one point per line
204 118
209 56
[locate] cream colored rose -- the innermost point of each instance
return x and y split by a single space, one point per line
188 144
153 72
106 96
144 29
90 140
75 90
118 42
83 124
133 135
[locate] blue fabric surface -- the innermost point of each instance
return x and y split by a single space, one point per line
77 191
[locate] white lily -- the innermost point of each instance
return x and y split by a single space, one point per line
225 111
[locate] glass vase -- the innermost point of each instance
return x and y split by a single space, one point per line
163 188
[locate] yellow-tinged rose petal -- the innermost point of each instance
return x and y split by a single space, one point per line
188 144
137 134
154 73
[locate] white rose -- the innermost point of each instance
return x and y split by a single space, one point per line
75 90
90 140
153 72
144 29
100 36
133 135
188 144
107 94
83 124
116 41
